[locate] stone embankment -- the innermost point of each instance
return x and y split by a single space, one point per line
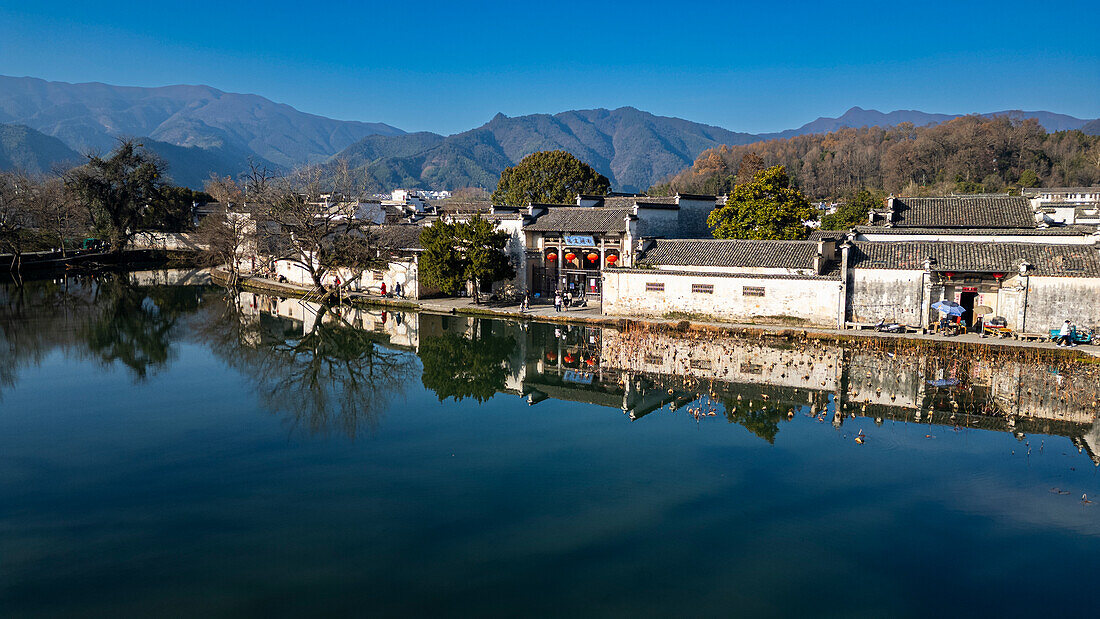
591 315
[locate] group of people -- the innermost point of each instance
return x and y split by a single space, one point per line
397 290
563 300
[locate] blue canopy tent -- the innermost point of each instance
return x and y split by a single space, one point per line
949 307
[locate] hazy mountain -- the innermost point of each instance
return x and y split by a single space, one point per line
23 148
199 130
1092 127
859 117
93 115
630 147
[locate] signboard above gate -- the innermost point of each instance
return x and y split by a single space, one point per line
580 241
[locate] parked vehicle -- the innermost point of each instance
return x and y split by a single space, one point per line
1086 336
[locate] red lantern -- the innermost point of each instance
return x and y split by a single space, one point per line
612 259
551 256
570 256
592 257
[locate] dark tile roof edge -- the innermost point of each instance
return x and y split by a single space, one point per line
835 278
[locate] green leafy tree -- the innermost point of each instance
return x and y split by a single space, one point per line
442 264
768 207
118 190
468 251
554 177
1028 178
853 212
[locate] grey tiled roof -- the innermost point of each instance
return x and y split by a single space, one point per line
1056 260
732 253
964 212
828 235
628 201
399 236
1054 231
833 274
581 219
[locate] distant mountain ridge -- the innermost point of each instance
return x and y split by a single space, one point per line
200 130
213 127
859 117
629 146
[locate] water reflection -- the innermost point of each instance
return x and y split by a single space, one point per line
338 369
129 319
316 364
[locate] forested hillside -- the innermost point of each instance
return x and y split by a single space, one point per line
969 154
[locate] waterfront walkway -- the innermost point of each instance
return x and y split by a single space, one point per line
593 315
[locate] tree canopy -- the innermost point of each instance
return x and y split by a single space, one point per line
767 207
966 154
465 251
554 177
853 211
119 190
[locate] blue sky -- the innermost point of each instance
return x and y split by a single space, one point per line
449 66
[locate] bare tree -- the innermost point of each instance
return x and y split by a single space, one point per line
318 228
229 233
17 220
57 212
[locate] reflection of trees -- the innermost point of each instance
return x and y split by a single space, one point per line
458 367
104 316
333 376
763 422
134 326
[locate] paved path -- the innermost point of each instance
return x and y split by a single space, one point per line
592 314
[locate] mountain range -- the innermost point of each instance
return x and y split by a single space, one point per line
199 130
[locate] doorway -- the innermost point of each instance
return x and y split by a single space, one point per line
966 299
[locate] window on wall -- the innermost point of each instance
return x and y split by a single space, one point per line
752 291
702 288
653 360
654 287
376 275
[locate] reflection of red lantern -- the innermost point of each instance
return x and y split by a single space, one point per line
949 275
568 358
551 256
592 257
612 259
570 256
998 275
590 361
551 356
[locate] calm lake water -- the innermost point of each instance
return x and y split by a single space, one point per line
166 449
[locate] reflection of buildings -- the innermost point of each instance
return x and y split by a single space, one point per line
757 382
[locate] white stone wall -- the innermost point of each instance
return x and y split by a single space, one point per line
811 301
890 295
1052 300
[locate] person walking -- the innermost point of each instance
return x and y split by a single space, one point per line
526 304
1065 335
383 288
557 301
568 300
